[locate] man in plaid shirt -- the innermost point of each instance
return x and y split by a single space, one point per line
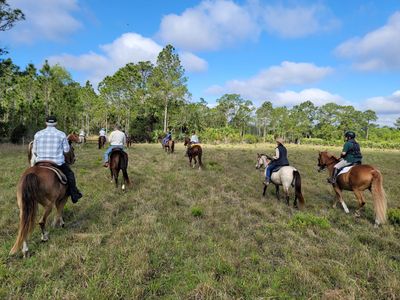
50 144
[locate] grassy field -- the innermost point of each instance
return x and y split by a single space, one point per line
180 233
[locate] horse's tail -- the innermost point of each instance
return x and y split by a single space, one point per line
297 188
123 165
199 155
172 146
100 142
28 195
379 197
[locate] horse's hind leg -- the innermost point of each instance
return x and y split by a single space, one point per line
42 222
361 202
58 220
286 189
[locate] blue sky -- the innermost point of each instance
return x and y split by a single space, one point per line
287 52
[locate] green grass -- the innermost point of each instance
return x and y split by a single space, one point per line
183 233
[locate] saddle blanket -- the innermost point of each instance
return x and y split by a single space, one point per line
345 170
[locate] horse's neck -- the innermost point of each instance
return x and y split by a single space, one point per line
264 159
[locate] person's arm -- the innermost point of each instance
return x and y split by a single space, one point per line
65 145
345 149
34 146
124 140
110 138
276 154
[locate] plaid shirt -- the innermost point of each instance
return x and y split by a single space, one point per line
50 144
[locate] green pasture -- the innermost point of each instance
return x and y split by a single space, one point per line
180 233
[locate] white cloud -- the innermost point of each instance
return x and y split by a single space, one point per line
45 20
384 104
129 47
273 78
295 22
214 24
192 63
377 50
208 26
317 96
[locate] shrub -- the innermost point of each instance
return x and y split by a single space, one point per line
17 134
250 139
394 216
197 212
306 219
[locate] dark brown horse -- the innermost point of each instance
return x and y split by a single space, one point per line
193 151
358 179
119 162
39 185
168 146
102 141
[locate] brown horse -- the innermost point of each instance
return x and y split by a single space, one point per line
193 151
168 146
102 141
39 184
119 161
358 179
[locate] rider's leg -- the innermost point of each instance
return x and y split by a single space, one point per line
341 164
73 190
107 153
268 173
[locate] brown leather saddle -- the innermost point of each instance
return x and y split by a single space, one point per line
53 167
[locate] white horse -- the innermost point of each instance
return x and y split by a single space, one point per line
286 176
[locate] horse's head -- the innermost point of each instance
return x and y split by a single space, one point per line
325 159
187 141
262 159
70 156
72 138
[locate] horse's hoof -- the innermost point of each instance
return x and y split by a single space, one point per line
26 254
123 187
357 214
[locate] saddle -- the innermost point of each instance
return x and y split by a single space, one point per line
277 168
346 169
53 167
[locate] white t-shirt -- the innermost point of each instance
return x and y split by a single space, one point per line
194 139
117 138
102 133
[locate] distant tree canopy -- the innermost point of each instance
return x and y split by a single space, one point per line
148 99
8 17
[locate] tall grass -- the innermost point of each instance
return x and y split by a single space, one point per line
184 233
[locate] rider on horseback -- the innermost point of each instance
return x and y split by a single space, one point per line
102 132
194 139
280 159
117 139
351 154
167 138
50 144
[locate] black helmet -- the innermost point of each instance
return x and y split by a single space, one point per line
350 134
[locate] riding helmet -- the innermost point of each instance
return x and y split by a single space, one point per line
350 134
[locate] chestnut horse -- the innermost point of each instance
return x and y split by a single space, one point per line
285 176
358 179
119 161
39 185
193 151
102 141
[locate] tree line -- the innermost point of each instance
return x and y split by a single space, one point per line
148 99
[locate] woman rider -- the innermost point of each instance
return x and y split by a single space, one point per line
280 159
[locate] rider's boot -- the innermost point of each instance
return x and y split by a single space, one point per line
334 175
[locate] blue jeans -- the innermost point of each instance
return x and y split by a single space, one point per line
270 167
108 151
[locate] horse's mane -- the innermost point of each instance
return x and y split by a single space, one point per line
330 156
